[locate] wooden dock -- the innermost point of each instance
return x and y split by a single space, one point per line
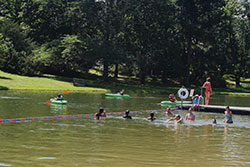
218 109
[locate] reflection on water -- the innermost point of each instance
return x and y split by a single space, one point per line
115 141
58 109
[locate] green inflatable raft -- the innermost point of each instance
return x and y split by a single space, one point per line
117 95
53 101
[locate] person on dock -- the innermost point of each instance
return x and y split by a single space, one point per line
190 116
168 112
102 112
172 97
177 118
196 101
228 115
152 117
208 91
127 116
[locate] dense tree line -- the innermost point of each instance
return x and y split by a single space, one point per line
183 40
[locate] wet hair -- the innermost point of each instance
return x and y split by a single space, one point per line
152 116
177 115
127 112
101 110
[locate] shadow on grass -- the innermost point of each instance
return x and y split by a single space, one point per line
3 88
5 78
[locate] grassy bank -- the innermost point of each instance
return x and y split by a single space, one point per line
45 82
52 82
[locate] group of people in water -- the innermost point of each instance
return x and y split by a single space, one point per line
177 118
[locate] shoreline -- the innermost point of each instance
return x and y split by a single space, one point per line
57 83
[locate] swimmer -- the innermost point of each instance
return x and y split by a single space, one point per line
177 118
152 117
127 116
97 116
228 115
214 122
102 112
190 116
168 112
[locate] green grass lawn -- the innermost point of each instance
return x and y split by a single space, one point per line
45 82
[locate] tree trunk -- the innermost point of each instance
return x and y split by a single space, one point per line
105 70
163 77
142 77
116 70
189 54
237 80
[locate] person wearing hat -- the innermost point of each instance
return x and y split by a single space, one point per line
177 118
196 101
127 116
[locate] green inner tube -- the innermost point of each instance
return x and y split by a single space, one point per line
58 101
116 95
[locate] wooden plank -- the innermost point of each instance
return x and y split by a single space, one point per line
218 109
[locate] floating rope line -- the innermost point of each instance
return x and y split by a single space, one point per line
78 115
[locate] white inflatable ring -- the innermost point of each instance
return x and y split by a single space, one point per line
183 93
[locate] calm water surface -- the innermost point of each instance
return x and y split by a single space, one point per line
116 142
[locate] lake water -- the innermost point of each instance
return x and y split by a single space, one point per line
116 142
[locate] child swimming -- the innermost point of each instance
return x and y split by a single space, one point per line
177 118
168 112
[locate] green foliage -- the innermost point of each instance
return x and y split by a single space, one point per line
182 40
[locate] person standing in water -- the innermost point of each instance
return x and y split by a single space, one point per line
190 116
208 91
127 116
102 112
228 115
152 117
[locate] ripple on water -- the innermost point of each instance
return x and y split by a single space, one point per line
42 158
1 164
